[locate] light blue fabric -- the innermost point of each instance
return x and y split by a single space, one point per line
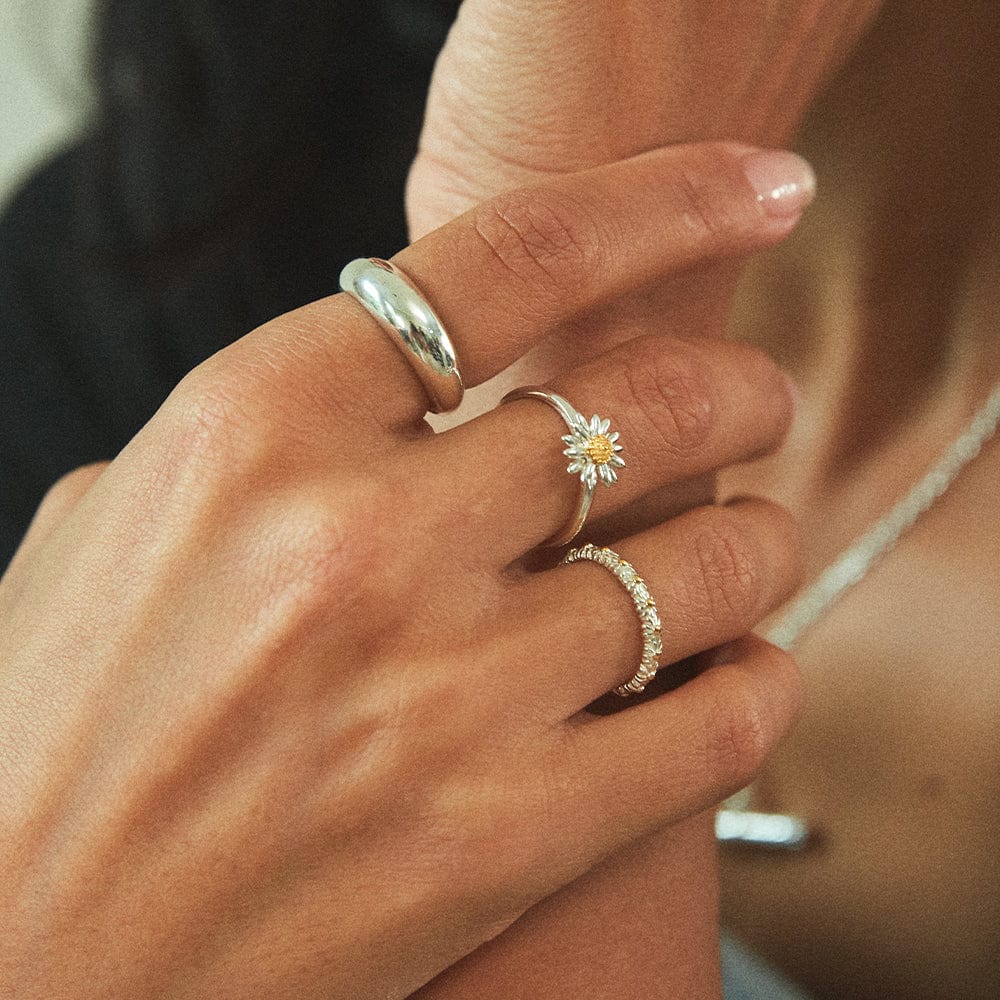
747 977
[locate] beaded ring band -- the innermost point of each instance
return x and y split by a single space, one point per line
645 606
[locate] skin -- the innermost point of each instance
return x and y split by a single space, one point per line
525 88
225 769
524 107
883 306
895 758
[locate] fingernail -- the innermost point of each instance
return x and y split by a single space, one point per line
793 391
784 182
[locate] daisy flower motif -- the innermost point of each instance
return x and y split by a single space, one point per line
592 451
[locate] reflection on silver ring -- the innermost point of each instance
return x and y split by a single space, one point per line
394 301
645 606
592 448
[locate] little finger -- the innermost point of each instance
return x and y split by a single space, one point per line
682 752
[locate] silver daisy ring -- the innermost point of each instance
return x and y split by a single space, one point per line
592 448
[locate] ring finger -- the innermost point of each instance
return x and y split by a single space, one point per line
714 573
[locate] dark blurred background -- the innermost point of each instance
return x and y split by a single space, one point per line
237 154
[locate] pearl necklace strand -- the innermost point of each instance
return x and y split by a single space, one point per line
735 822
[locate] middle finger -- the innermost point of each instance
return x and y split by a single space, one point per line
683 408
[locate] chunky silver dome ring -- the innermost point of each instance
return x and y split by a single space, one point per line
399 308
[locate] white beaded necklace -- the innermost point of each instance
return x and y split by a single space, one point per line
737 823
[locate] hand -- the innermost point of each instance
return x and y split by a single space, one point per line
524 89
278 719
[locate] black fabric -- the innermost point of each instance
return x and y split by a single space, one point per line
230 174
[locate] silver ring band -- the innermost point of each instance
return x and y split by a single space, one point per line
591 447
645 606
399 308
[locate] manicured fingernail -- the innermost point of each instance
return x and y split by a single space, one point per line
784 182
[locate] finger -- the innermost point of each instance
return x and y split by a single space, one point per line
684 751
60 500
682 408
713 572
507 274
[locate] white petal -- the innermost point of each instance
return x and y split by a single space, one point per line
605 426
614 437
617 461
589 476
595 424
577 465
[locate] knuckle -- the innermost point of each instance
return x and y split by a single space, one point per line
318 556
672 395
305 566
528 818
204 450
320 553
740 739
222 429
205 419
68 489
704 206
545 239
707 194
729 569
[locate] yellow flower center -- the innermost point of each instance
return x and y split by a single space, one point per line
599 450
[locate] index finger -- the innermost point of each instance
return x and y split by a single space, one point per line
515 268
510 272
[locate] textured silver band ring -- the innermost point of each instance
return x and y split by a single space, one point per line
399 308
592 448
645 606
